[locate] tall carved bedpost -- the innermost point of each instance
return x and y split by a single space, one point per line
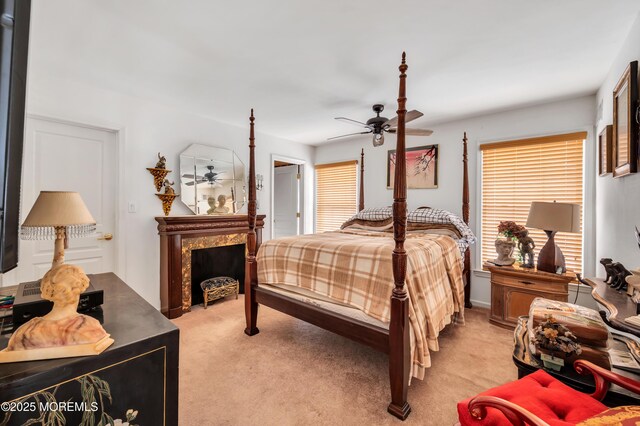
361 199
251 267
465 217
399 347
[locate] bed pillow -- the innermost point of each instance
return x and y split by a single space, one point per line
373 219
427 217
369 225
435 228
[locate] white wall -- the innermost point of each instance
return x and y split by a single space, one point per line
618 200
144 129
551 118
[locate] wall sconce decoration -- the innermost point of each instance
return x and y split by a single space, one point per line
259 179
159 172
167 197
160 181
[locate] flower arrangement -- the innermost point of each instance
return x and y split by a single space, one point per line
555 337
509 229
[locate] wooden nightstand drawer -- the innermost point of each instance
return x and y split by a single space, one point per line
533 282
513 289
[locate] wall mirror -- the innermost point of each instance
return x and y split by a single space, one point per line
212 180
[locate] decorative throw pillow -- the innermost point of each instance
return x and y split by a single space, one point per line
619 416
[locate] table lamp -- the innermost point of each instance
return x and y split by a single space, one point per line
59 215
552 218
63 332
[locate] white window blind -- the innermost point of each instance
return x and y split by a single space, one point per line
515 173
336 194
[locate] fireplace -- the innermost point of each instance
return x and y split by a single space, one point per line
214 262
203 242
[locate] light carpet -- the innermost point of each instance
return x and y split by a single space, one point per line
293 373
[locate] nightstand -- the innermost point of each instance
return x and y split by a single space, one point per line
513 289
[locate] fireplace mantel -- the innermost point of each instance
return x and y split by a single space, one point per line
181 234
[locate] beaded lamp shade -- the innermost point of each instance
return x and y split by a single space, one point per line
58 209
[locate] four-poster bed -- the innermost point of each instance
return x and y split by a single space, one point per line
394 335
465 213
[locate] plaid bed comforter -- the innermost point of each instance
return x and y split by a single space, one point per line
354 268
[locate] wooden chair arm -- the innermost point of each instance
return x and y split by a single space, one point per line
604 377
517 415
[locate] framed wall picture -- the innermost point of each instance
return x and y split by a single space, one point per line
605 148
422 167
625 128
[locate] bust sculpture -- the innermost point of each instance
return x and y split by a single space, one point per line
221 208
504 248
51 334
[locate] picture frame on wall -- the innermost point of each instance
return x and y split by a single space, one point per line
422 167
605 148
625 129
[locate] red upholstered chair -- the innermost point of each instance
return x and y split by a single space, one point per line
540 400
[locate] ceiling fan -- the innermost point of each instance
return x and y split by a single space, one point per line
379 125
210 177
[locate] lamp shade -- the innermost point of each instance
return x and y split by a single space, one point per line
562 217
58 209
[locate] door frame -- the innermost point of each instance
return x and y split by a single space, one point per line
296 161
119 137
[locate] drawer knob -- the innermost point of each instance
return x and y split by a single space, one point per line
526 282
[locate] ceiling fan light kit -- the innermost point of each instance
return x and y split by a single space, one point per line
379 125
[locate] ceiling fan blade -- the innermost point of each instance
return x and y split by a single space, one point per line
350 121
350 134
192 176
413 132
409 116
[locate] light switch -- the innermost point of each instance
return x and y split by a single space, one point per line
132 207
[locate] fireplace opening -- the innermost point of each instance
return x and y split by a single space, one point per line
227 261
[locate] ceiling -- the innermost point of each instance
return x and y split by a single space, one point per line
301 63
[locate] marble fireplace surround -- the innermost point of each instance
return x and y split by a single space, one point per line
179 236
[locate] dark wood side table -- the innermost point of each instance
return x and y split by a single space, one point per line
513 289
528 363
140 368
614 305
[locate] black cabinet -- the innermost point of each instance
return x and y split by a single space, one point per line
135 379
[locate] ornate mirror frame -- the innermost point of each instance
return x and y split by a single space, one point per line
625 127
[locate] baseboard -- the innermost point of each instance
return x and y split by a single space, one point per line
480 304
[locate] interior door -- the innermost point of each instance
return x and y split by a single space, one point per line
286 201
67 157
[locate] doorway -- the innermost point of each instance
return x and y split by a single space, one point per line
64 156
287 196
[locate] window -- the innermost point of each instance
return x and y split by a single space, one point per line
518 172
336 194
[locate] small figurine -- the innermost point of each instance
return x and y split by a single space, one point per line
167 187
162 162
620 274
526 246
606 263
